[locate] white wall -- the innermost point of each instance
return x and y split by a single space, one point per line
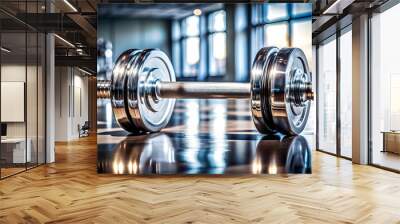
71 102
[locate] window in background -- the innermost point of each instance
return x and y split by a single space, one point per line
385 88
346 94
327 96
191 46
301 36
284 25
242 43
257 40
176 48
217 43
276 34
300 10
276 12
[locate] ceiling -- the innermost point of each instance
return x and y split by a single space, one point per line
160 10
76 22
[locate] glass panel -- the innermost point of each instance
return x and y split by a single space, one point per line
241 43
176 30
327 96
301 9
301 36
41 98
310 129
276 11
276 34
191 26
345 94
176 55
385 84
31 98
191 56
217 21
13 86
257 41
256 12
217 54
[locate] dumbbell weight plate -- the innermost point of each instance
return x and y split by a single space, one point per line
259 89
118 89
149 112
289 117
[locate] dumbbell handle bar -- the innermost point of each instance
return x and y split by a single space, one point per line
189 90
202 90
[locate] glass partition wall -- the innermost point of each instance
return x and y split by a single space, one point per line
22 94
385 90
334 94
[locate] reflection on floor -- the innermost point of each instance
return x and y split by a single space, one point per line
386 159
11 169
71 191
203 137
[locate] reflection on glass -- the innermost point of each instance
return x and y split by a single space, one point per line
346 94
142 155
276 34
327 96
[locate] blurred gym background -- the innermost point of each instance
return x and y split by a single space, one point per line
206 41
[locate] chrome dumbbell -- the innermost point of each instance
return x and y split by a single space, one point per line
143 90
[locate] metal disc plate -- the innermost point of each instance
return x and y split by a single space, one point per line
289 117
260 105
118 90
149 112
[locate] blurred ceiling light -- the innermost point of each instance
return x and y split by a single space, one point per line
79 51
197 12
64 40
5 50
70 5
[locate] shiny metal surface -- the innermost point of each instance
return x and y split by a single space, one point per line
203 90
161 154
204 137
143 90
118 90
260 104
103 89
290 91
149 113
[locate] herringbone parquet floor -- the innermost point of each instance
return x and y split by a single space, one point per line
70 191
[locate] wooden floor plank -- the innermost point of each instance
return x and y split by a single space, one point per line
70 191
